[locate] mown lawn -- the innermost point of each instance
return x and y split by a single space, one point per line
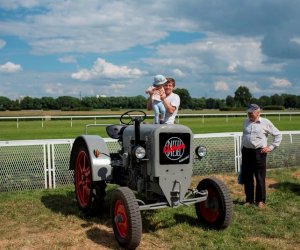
50 219
68 129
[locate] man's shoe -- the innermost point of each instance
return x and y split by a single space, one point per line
247 204
261 205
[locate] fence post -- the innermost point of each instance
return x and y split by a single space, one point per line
237 147
53 165
45 165
49 165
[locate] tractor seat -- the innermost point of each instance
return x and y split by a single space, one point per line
115 131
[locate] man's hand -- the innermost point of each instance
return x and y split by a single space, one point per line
162 94
265 150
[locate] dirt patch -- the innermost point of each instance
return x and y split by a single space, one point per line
76 236
296 174
275 243
236 190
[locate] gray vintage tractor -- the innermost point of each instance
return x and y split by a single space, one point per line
156 162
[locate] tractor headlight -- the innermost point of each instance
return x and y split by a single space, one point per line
139 152
201 151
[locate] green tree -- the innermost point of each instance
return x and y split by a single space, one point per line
68 102
230 102
277 100
27 103
89 102
198 103
298 102
139 102
5 103
185 98
290 101
242 96
210 103
264 101
15 105
48 103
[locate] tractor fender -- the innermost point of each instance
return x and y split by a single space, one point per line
98 153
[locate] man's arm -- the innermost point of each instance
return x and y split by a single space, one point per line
277 137
170 109
149 103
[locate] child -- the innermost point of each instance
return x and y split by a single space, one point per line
157 105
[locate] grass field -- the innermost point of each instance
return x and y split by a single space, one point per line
50 219
62 129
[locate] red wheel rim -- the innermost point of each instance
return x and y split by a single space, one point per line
83 178
121 219
210 209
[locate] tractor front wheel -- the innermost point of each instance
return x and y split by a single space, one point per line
126 218
89 194
216 211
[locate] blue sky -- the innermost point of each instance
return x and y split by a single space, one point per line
114 48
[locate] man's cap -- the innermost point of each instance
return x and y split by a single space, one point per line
159 80
253 107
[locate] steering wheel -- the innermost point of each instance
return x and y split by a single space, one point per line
129 115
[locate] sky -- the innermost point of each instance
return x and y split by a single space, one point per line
114 48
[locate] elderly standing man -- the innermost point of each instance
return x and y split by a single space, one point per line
254 154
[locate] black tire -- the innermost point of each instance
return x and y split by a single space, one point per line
89 194
126 218
216 211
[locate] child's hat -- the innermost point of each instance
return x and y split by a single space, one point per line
159 80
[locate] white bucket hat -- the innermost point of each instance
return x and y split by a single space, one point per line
159 80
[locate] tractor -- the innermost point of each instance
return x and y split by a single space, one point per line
155 164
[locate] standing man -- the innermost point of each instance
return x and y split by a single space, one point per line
254 154
170 100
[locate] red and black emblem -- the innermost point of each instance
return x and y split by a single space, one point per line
174 148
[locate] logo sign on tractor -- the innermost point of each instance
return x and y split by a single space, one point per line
174 148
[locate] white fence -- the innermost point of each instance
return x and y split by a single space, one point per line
95 117
42 164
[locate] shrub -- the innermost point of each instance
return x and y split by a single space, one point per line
273 107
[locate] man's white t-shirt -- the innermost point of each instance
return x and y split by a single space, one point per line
174 100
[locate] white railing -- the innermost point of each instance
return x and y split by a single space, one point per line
38 164
95 117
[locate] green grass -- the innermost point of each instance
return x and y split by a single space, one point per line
62 129
50 219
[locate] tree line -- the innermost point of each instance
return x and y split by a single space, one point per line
242 97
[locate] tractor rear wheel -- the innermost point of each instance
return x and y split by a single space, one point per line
126 218
216 211
89 194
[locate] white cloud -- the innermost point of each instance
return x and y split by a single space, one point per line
204 47
82 75
14 4
2 43
10 68
89 26
115 88
280 82
215 54
67 59
101 68
252 86
296 40
178 72
221 86
53 89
